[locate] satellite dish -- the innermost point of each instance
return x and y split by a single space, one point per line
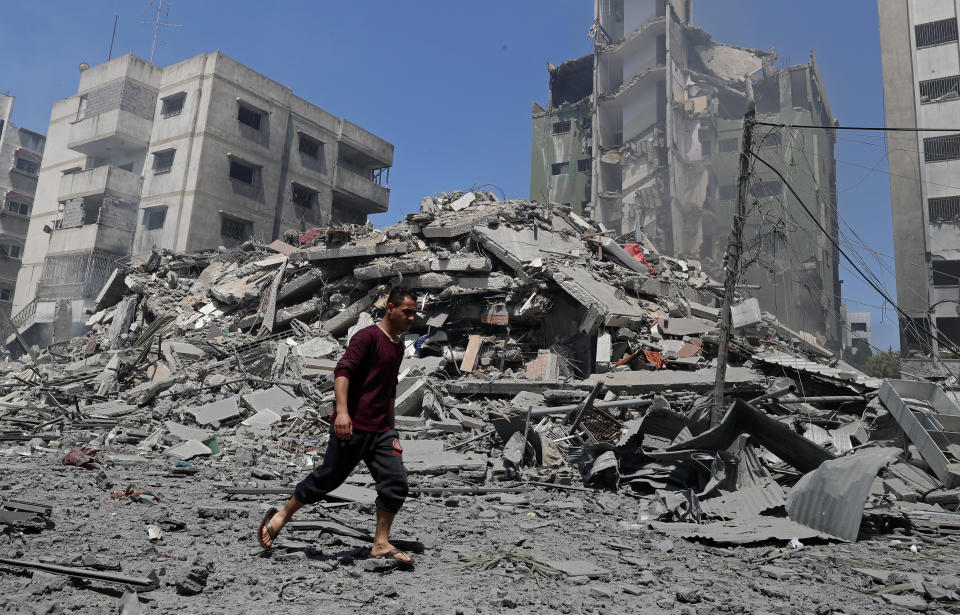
84 66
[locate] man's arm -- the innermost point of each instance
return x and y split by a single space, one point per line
342 424
390 414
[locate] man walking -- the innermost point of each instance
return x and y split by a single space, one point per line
365 385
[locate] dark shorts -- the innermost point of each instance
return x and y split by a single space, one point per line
383 455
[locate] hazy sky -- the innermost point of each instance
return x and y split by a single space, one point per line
450 84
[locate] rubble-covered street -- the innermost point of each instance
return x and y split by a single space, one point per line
555 411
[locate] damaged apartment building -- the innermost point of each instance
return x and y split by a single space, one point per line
199 154
644 135
921 88
21 151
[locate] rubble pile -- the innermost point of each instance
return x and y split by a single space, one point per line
555 374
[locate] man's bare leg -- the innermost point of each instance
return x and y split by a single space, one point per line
280 519
381 542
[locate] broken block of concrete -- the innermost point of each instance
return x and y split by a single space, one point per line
217 412
185 432
461 264
263 418
188 450
184 350
274 398
746 313
282 247
342 321
463 202
545 367
316 348
472 354
682 327
408 402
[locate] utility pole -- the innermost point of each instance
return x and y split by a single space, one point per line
732 261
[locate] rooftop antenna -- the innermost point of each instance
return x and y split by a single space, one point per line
157 23
112 37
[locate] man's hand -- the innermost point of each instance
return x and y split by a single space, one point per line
343 425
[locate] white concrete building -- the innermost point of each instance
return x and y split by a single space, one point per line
20 153
199 154
921 85
857 330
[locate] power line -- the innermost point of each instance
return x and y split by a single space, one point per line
935 334
866 128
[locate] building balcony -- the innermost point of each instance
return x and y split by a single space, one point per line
110 134
104 180
365 144
359 191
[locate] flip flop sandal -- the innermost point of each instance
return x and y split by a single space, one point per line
272 533
392 554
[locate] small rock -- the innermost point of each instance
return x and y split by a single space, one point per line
601 592
378 564
776 572
690 596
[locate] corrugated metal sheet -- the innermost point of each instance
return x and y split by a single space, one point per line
750 501
842 371
831 497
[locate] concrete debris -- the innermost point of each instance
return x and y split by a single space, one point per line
553 391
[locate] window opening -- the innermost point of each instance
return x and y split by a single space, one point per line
242 172
248 116
173 105
936 32
163 161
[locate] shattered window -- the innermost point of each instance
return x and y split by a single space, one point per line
949 328
944 209
946 273
173 105
154 218
28 166
234 228
560 128
936 32
163 161
858 326
303 197
242 172
6 294
583 166
309 146
248 116
18 207
936 149
560 168
934 89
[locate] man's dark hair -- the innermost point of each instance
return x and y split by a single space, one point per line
398 294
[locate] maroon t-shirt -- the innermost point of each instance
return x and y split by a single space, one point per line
371 362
